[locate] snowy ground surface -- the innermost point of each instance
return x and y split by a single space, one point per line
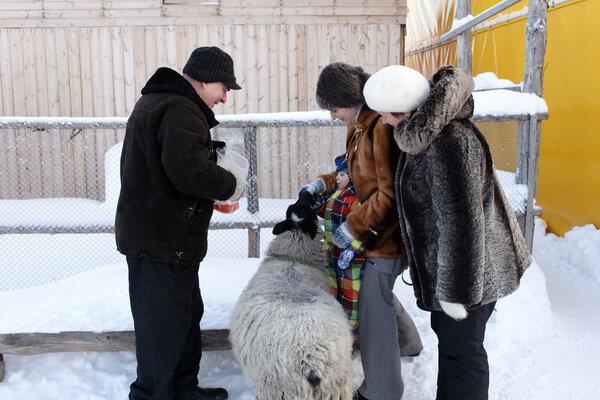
542 341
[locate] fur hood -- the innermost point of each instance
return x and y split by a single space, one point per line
449 99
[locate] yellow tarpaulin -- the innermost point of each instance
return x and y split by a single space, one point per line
569 171
426 21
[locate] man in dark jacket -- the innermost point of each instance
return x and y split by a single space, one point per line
169 182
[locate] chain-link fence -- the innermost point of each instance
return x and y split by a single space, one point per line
59 184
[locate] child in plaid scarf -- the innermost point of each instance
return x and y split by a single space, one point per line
345 266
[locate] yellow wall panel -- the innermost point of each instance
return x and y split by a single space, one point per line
569 174
501 49
430 60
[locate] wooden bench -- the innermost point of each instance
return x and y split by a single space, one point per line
39 343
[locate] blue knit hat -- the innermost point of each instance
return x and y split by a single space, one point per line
341 164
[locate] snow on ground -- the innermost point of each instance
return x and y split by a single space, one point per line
542 341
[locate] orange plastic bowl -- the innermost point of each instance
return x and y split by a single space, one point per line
227 208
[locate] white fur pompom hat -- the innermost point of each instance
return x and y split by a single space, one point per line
396 89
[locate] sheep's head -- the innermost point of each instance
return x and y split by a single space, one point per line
297 238
300 216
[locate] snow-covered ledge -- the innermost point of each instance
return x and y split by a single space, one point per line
490 105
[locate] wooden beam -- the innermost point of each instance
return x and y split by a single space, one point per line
39 343
536 33
535 50
535 129
503 5
505 118
464 55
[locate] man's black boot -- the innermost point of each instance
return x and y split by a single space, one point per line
358 396
210 394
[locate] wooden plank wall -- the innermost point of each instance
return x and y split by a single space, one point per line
91 58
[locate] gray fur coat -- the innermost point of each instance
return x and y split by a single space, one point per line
462 238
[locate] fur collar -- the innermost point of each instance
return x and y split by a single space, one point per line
449 99
365 118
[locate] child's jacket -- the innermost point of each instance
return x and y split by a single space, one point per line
343 284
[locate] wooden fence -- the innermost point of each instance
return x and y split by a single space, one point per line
91 58
99 71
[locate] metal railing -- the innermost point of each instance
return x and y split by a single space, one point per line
251 218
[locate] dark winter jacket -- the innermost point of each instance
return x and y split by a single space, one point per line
169 175
372 157
462 238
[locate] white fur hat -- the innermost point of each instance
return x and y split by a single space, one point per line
396 88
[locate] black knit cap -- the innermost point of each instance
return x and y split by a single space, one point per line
211 64
340 85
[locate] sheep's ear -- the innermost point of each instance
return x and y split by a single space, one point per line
283 226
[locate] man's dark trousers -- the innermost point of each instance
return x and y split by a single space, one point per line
463 365
167 307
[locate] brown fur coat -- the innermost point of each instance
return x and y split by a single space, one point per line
372 158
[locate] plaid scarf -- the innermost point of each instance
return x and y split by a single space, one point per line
344 284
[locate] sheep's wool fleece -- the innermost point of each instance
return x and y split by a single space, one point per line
286 326
463 241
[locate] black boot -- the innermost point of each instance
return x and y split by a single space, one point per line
210 394
358 396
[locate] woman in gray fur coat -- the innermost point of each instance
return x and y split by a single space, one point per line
464 245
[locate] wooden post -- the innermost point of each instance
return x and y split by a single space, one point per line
534 151
252 188
252 178
530 132
464 55
2 369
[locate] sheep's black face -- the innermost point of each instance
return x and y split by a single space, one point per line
301 216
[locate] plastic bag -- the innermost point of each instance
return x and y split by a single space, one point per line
235 162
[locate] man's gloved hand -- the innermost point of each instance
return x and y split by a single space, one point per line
454 310
342 237
318 186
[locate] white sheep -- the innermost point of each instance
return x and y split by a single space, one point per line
290 336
